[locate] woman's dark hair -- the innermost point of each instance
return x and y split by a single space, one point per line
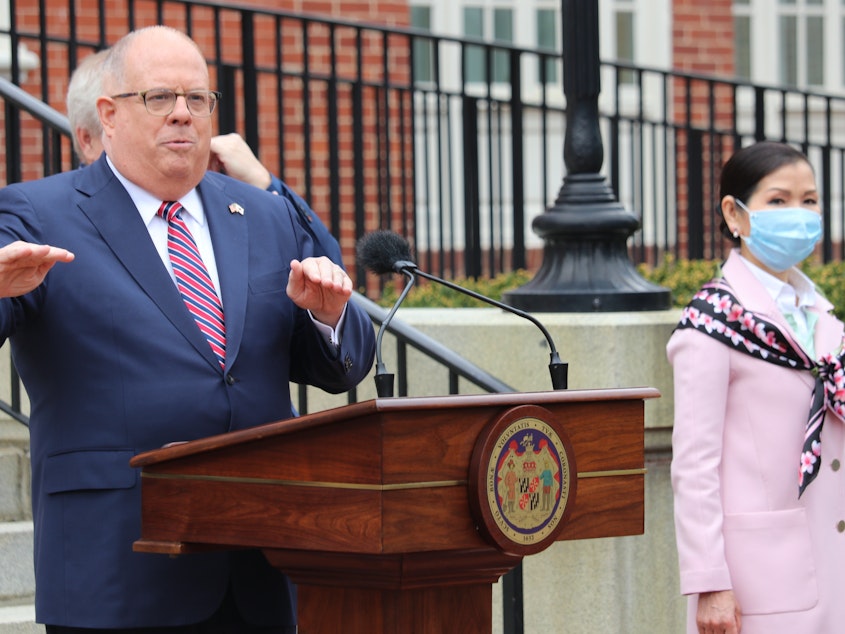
747 167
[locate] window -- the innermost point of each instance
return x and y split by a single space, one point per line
625 43
788 50
478 23
742 47
790 42
502 32
474 63
801 44
423 48
815 50
547 22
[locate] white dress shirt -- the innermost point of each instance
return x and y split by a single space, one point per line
792 297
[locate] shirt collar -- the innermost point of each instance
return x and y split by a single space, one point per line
148 205
797 292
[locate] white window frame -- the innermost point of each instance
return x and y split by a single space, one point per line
764 16
27 59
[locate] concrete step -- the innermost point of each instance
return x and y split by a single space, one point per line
19 619
15 504
17 579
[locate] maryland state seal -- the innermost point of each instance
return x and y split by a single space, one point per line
521 481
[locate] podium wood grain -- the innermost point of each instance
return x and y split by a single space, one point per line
366 507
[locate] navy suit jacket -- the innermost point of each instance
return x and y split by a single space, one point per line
324 242
114 365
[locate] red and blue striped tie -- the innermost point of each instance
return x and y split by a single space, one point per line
193 281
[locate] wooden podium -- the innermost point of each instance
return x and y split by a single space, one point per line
397 515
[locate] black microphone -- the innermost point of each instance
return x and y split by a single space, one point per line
384 252
372 256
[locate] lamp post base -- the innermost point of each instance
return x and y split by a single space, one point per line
586 267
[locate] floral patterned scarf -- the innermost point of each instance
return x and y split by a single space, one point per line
716 312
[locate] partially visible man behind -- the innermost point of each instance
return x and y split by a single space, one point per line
105 333
84 88
230 154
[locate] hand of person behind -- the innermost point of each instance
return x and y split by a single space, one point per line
718 613
321 286
231 155
23 266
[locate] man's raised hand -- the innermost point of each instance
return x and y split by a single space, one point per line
23 266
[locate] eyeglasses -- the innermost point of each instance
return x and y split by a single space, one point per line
161 101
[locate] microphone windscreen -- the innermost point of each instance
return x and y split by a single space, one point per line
379 251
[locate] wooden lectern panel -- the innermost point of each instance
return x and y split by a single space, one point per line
434 610
384 497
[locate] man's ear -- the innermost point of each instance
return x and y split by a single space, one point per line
83 137
106 110
90 146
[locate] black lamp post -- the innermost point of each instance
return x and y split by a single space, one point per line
585 265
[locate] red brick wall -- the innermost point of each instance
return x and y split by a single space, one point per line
702 44
702 36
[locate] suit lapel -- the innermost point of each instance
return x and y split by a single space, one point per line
111 210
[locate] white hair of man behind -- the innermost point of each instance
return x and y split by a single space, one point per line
85 87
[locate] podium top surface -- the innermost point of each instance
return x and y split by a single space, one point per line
395 405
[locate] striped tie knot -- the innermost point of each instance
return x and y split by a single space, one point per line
170 210
193 280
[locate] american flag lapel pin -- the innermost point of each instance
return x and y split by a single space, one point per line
235 208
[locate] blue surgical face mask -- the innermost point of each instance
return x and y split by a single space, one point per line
781 238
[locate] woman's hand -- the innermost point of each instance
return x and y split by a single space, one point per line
718 613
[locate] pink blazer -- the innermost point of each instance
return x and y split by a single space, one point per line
738 432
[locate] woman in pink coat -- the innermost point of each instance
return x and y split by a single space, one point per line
758 468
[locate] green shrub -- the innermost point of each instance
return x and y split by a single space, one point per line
682 277
425 294
830 281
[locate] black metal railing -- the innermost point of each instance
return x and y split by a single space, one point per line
455 143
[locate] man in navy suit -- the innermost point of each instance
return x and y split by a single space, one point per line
114 363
